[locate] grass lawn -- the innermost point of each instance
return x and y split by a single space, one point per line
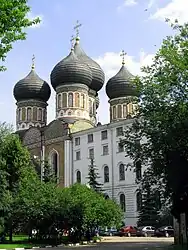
19 241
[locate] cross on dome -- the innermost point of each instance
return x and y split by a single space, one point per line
33 62
76 27
123 54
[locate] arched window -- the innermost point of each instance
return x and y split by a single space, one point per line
90 107
139 201
119 111
54 163
106 174
59 101
29 114
121 172
110 114
23 114
78 176
19 114
39 114
70 99
124 111
82 101
77 100
114 112
122 202
64 100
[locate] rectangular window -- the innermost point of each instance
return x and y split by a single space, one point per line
120 147
90 138
91 153
77 141
78 155
119 131
105 150
104 135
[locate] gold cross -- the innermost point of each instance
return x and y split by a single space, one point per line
72 41
123 54
33 62
78 25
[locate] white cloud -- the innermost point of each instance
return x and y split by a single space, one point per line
176 9
111 63
32 16
126 3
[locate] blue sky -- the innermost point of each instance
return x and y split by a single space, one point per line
108 26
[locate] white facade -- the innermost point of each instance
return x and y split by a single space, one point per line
103 143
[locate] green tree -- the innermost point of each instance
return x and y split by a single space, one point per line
93 176
149 213
13 21
162 126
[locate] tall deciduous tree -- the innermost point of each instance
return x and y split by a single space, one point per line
162 125
93 177
13 21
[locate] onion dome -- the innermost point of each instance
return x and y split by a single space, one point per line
97 73
70 70
121 84
32 87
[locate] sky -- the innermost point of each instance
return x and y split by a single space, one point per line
108 26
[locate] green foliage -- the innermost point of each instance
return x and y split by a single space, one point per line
93 176
13 21
162 126
49 173
149 213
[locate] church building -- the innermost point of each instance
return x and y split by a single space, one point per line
75 136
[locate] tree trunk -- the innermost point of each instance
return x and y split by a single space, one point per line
10 231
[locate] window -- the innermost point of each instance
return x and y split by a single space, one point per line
77 100
78 176
138 201
91 153
70 99
121 172
106 197
104 135
119 111
19 115
59 101
54 162
105 150
77 141
122 202
120 147
78 155
124 111
90 138
90 107
114 112
106 174
82 101
29 114
138 170
64 100
39 114
119 131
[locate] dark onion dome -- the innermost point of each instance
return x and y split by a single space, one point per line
98 76
70 70
120 85
32 87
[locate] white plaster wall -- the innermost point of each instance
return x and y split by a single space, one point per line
115 187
